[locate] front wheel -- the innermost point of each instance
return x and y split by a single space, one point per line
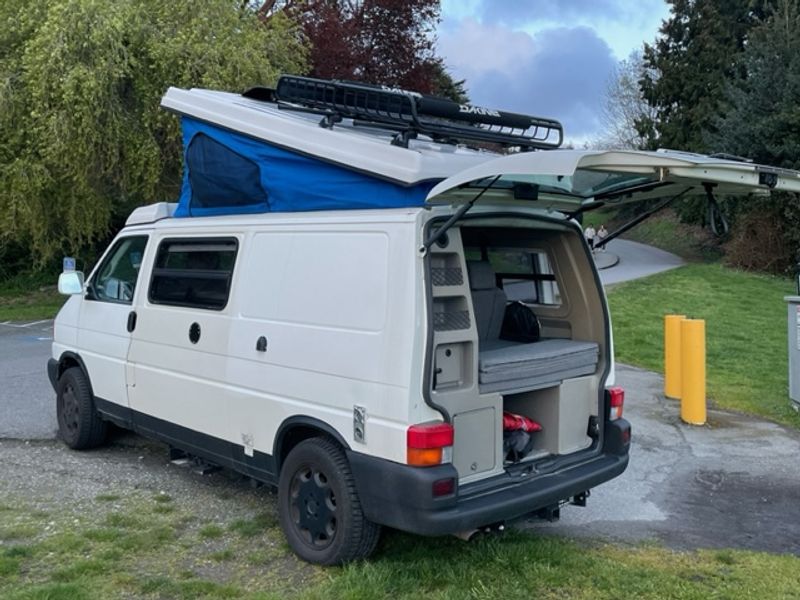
318 505
79 424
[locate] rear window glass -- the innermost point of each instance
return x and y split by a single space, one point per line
193 273
525 274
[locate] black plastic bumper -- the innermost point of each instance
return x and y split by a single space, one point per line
401 497
52 372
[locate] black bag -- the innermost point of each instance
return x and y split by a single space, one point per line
517 445
520 324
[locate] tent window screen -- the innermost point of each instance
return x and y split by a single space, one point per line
220 177
193 273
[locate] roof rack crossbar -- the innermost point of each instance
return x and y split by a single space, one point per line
411 113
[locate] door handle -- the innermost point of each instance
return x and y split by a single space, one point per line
131 321
261 344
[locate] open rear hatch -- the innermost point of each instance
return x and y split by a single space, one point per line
568 180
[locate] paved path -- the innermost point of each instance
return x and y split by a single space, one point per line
635 260
27 401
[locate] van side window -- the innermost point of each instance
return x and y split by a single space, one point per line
115 280
193 273
526 275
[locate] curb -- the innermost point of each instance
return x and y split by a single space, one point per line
605 260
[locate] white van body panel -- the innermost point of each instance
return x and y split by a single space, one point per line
340 298
341 332
68 320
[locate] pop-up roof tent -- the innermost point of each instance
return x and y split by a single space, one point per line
322 145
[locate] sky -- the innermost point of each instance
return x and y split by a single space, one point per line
551 58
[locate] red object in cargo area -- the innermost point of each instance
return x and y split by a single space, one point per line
513 422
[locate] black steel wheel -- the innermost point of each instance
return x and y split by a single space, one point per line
319 508
79 424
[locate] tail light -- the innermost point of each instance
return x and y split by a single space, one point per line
429 444
616 399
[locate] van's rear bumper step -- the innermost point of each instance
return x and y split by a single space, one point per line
400 496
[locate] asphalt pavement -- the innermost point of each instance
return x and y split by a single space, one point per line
732 483
633 261
27 401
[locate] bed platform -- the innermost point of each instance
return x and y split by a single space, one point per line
510 367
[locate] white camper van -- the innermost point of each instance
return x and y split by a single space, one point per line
351 304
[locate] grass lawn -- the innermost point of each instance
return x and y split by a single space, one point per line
745 332
30 297
148 547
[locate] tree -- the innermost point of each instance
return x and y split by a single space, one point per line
762 122
389 42
625 108
687 70
762 119
82 137
688 67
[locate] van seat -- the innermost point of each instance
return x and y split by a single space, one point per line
488 300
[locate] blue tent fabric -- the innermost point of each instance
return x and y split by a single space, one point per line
230 173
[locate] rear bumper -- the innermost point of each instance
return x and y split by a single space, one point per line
400 496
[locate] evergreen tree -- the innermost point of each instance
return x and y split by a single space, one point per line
762 122
688 66
762 116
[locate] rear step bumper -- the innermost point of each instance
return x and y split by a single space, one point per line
401 497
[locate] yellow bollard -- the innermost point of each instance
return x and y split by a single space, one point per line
693 371
672 355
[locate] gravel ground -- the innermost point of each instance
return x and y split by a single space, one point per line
48 490
47 473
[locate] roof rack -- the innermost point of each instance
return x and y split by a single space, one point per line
410 113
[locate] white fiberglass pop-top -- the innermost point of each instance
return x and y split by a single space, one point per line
348 303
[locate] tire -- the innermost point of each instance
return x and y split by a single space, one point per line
318 505
79 423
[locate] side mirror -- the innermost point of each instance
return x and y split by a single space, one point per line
70 283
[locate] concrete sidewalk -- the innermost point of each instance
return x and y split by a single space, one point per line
734 483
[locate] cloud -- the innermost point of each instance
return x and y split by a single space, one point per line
559 72
527 11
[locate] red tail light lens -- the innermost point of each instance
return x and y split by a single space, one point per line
616 400
425 443
435 435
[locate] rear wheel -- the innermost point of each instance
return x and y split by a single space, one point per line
318 505
79 423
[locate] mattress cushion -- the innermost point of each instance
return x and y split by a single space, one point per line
551 360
